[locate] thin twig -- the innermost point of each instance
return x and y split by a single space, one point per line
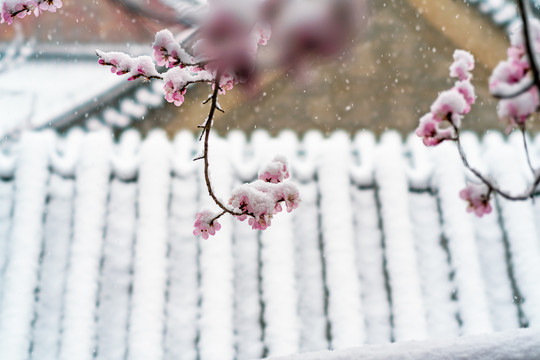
529 193
524 134
491 186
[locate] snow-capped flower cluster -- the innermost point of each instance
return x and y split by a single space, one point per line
451 105
168 52
477 195
257 201
20 8
260 201
228 46
176 81
513 76
206 224
275 171
120 63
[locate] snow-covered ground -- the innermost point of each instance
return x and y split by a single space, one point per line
98 260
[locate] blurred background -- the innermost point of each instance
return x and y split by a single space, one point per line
387 80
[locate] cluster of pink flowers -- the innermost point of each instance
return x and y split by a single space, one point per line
120 63
511 76
451 105
257 201
168 52
205 225
176 81
276 171
229 44
20 8
477 195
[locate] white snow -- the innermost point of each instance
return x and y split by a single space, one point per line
433 266
116 279
103 217
491 251
458 229
278 282
368 243
523 344
90 207
216 327
247 300
407 303
182 271
57 241
518 223
146 323
345 310
22 268
41 91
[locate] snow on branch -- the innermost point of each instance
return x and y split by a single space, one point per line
20 8
224 54
516 83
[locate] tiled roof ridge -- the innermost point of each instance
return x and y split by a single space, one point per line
382 249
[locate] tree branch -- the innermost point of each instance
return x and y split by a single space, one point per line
528 46
206 133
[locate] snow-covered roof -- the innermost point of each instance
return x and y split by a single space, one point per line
98 256
48 86
503 13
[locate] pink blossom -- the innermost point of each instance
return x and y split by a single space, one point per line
477 195
260 222
430 131
7 15
508 76
517 110
276 171
173 94
450 105
466 89
226 83
205 225
263 33
462 65
50 5
291 197
168 52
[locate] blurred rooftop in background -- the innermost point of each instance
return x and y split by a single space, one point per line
388 80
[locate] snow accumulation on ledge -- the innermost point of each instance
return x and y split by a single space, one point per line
98 259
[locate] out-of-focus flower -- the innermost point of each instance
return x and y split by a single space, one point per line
477 196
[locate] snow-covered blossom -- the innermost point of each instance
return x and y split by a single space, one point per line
431 132
21 8
291 196
477 195
263 33
176 80
509 76
261 199
450 105
121 64
517 110
205 224
512 80
275 171
462 66
168 52
466 89
50 5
